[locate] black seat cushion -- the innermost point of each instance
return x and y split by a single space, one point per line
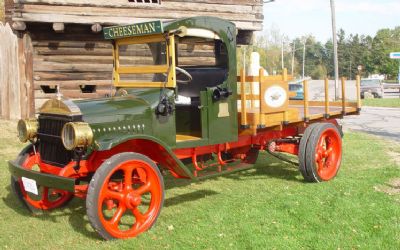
203 77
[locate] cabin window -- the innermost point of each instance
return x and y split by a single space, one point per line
145 1
206 60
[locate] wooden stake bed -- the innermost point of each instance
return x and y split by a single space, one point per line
266 103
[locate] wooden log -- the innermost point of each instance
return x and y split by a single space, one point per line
76 59
73 84
59 27
111 20
74 94
54 44
197 5
96 28
77 51
61 76
233 15
19 25
75 68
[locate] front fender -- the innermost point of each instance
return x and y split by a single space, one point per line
150 146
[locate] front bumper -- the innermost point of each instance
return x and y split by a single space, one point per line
42 179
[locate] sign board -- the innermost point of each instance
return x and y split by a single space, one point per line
132 30
395 55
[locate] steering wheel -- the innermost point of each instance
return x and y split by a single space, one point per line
180 71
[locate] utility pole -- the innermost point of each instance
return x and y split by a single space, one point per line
335 49
304 56
294 51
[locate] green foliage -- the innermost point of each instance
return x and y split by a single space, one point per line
266 207
372 53
378 102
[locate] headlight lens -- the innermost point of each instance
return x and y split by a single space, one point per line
27 129
76 135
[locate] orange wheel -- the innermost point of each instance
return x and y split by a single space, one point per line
47 198
125 196
320 153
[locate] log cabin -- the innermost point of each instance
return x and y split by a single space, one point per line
61 43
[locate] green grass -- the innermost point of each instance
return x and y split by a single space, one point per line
265 207
378 102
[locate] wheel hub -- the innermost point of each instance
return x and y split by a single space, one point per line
133 200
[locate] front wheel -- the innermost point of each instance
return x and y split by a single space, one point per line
125 196
47 198
320 152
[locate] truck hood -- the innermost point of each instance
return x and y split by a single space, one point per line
135 106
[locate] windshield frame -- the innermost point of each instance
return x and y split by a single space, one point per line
168 68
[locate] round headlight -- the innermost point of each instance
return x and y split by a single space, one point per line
27 129
76 135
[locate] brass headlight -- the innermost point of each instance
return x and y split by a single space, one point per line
76 135
27 129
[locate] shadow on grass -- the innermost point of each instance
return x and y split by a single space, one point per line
266 167
75 210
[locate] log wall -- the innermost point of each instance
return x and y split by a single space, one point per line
247 14
70 60
68 50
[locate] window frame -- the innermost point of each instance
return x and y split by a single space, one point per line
168 68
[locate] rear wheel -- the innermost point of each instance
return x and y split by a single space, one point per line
320 152
125 196
47 198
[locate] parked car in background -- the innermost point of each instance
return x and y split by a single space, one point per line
297 87
373 86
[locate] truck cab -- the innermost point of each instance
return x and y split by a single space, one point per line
186 70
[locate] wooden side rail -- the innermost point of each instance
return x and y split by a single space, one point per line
343 80
306 103
326 98
243 98
358 89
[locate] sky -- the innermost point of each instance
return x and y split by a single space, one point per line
295 18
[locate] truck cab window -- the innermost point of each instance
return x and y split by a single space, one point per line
207 62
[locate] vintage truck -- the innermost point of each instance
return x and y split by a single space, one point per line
178 106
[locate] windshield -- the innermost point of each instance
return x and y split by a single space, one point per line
144 62
370 82
142 55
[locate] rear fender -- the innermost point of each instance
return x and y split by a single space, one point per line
142 144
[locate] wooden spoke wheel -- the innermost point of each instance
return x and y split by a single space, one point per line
47 198
125 196
320 152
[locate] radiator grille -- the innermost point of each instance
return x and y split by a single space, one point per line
51 148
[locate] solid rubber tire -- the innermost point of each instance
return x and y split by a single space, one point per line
302 151
312 175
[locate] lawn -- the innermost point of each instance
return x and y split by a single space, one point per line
265 207
379 102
